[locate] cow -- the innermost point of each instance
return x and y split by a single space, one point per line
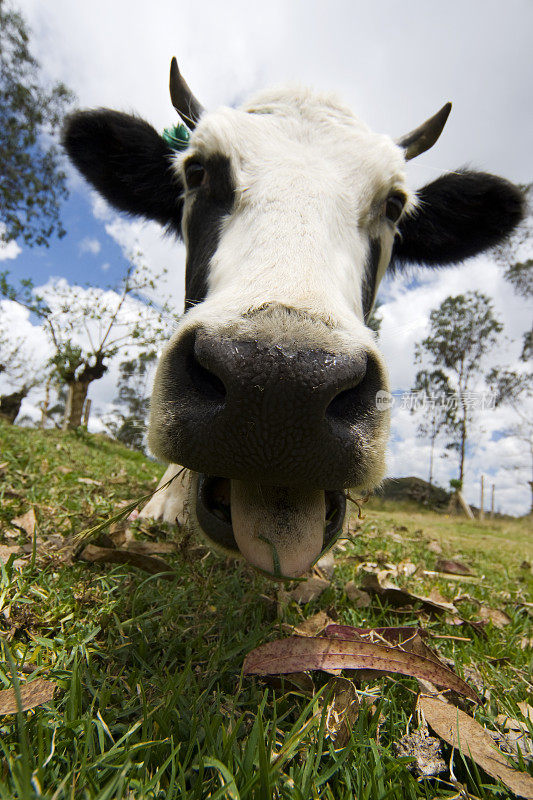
291 210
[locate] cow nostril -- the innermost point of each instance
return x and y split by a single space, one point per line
206 382
354 401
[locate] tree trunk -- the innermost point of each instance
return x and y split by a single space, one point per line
45 405
431 461
77 393
10 404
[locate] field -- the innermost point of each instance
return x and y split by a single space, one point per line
151 700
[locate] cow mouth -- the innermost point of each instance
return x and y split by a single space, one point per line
281 531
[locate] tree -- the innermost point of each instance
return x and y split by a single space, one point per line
515 255
434 392
514 389
88 327
18 370
462 330
375 319
32 182
133 396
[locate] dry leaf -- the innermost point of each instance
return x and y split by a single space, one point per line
356 596
297 654
313 625
27 522
426 751
434 547
325 566
7 550
90 482
455 567
342 711
148 548
526 643
498 618
472 740
400 597
32 694
150 564
308 590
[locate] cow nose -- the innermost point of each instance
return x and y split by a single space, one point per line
266 381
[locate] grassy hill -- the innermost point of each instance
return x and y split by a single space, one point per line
151 701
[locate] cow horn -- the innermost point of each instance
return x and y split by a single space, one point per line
183 100
425 136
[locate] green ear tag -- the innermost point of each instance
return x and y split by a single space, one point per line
177 137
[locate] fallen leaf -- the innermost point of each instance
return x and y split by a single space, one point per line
295 682
26 522
90 481
150 564
449 576
471 739
526 643
64 470
7 550
342 710
455 567
325 566
425 750
356 596
148 548
400 597
296 654
308 590
313 625
498 618
32 694
434 547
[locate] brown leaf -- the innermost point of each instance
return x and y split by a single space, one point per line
298 653
32 694
455 567
150 564
27 522
308 590
7 550
342 710
434 547
148 548
90 482
464 733
400 597
313 625
356 596
498 618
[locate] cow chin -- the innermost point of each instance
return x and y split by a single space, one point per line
280 531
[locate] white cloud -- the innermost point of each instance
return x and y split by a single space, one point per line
89 245
8 250
105 266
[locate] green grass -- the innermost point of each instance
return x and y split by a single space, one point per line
152 702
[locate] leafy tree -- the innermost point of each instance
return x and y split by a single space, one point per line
133 396
515 255
515 389
463 329
32 183
439 414
375 319
18 369
89 327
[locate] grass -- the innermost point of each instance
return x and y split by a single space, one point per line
152 702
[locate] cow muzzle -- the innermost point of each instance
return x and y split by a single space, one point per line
276 433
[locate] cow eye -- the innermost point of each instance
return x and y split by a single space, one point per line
394 206
194 174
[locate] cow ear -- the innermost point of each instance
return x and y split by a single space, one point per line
128 163
458 216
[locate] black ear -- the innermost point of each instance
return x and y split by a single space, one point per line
127 161
459 215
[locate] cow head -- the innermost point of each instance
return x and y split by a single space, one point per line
291 210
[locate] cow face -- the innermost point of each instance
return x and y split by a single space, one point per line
291 210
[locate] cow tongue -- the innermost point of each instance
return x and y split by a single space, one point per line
279 530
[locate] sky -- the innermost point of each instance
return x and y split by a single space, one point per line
394 63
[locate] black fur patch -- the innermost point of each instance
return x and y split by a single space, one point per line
211 203
459 215
128 162
368 289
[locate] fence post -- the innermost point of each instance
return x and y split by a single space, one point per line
482 501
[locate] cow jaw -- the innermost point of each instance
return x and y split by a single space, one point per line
279 530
